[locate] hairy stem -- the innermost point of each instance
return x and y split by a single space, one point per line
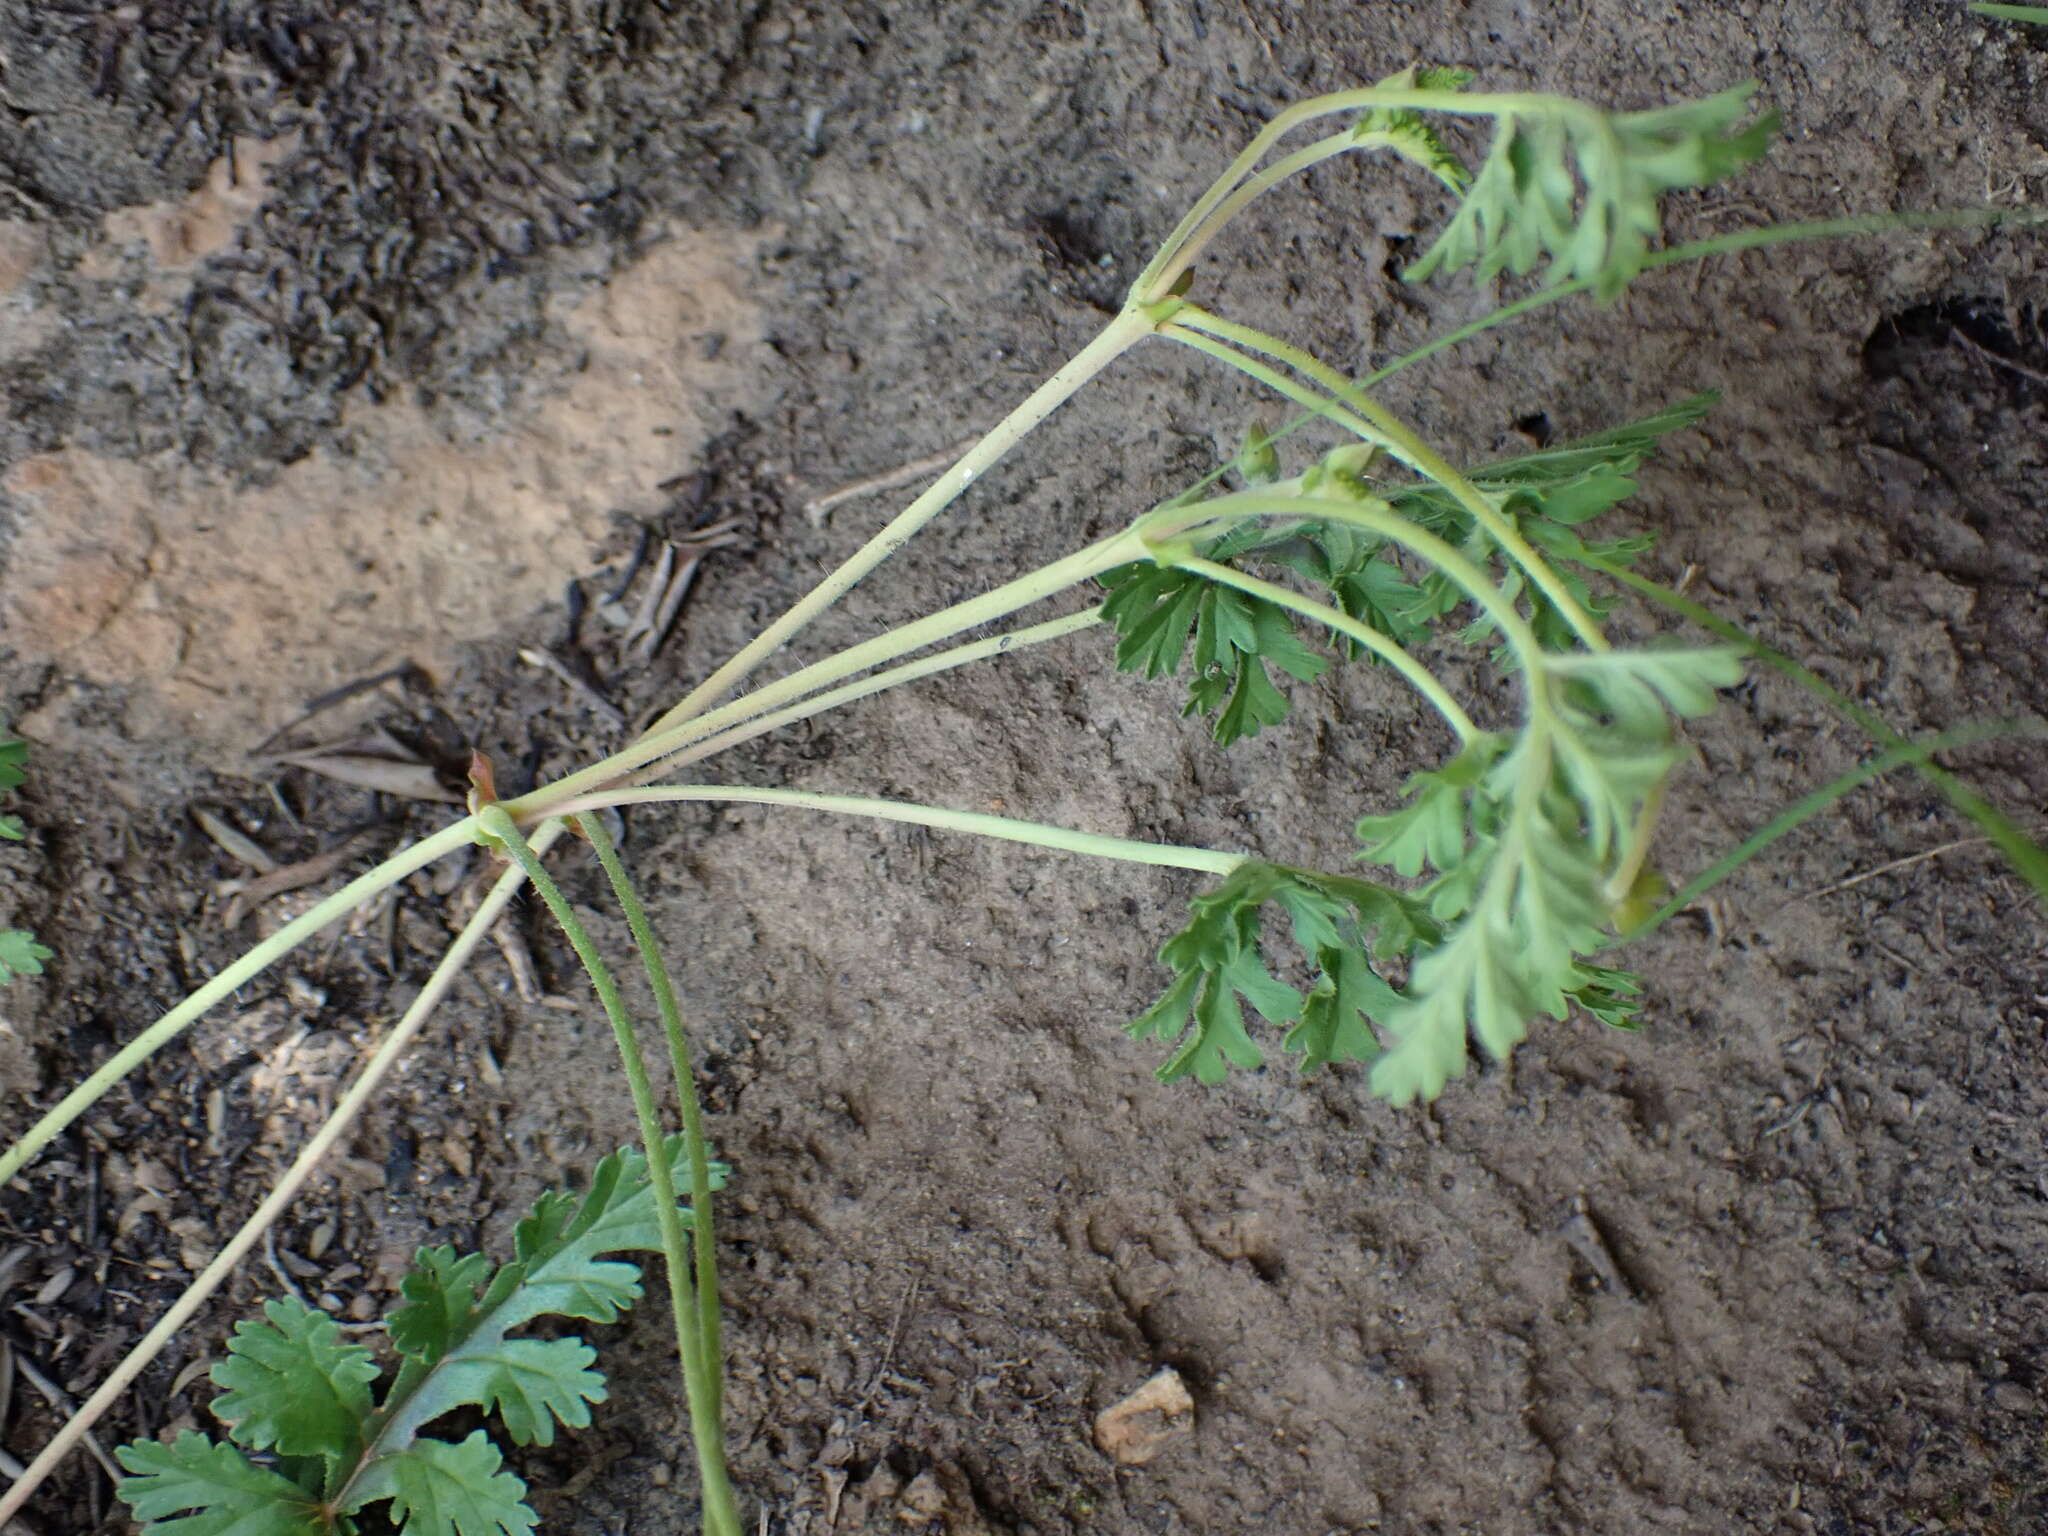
721 1513
832 698
1678 255
1904 754
2025 855
1118 337
1419 677
1000 603
710 1324
1203 222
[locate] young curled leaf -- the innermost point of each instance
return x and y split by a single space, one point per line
1406 131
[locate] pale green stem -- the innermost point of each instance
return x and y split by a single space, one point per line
910 672
1276 381
721 1513
1902 754
1003 601
1697 250
274 1204
1419 677
1407 446
1312 154
1199 226
344 901
710 1324
1182 522
1118 337
1008 829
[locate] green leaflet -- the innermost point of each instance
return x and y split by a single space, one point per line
1218 956
234 1497
1408 134
1528 841
1580 188
439 1489
292 1386
1160 613
20 954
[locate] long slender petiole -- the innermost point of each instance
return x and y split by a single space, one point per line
1419 677
53 1121
1386 428
1004 828
1000 603
2025 855
1119 336
274 1204
831 698
721 1513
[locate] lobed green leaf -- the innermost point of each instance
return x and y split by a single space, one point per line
290 1384
444 1489
228 1494
1161 613
1339 922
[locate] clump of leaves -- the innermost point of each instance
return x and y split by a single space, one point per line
20 954
1527 842
312 1442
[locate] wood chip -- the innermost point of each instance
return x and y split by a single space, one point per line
236 844
1144 1424
289 877
385 775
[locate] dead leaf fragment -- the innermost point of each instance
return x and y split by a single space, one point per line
1144 1424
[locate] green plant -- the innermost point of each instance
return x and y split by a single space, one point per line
20 954
1532 842
306 1401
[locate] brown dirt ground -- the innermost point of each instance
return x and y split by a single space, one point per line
329 344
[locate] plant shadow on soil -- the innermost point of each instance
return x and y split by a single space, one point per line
503 272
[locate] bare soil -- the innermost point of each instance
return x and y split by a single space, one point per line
333 343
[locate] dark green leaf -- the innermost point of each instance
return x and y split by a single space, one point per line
290 1384
439 1489
1336 920
1160 613
229 1496
21 955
